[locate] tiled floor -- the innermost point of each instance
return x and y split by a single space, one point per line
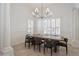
20 50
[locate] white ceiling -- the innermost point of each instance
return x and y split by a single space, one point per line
77 5
34 5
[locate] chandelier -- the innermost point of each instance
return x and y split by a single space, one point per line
42 13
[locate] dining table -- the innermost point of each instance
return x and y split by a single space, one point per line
44 37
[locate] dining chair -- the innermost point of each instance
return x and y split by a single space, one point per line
28 39
37 43
51 44
63 43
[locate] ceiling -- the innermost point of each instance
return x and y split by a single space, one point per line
38 5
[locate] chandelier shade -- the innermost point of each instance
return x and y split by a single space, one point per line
41 13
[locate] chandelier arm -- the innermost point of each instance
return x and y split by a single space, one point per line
41 14
41 10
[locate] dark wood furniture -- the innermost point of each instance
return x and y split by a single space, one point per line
37 41
51 44
54 42
28 40
64 44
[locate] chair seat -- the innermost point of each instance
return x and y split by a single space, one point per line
48 46
51 44
62 44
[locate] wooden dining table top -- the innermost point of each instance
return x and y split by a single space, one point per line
52 37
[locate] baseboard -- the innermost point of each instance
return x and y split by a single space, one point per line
8 51
75 44
17 43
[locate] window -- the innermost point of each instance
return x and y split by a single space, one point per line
39 26
49 26
44 26
57 26
30 26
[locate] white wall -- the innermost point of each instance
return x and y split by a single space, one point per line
75 42
21 12
18 22
64 11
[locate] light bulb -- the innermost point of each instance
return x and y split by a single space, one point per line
37 14
33 13
47 10
36 10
